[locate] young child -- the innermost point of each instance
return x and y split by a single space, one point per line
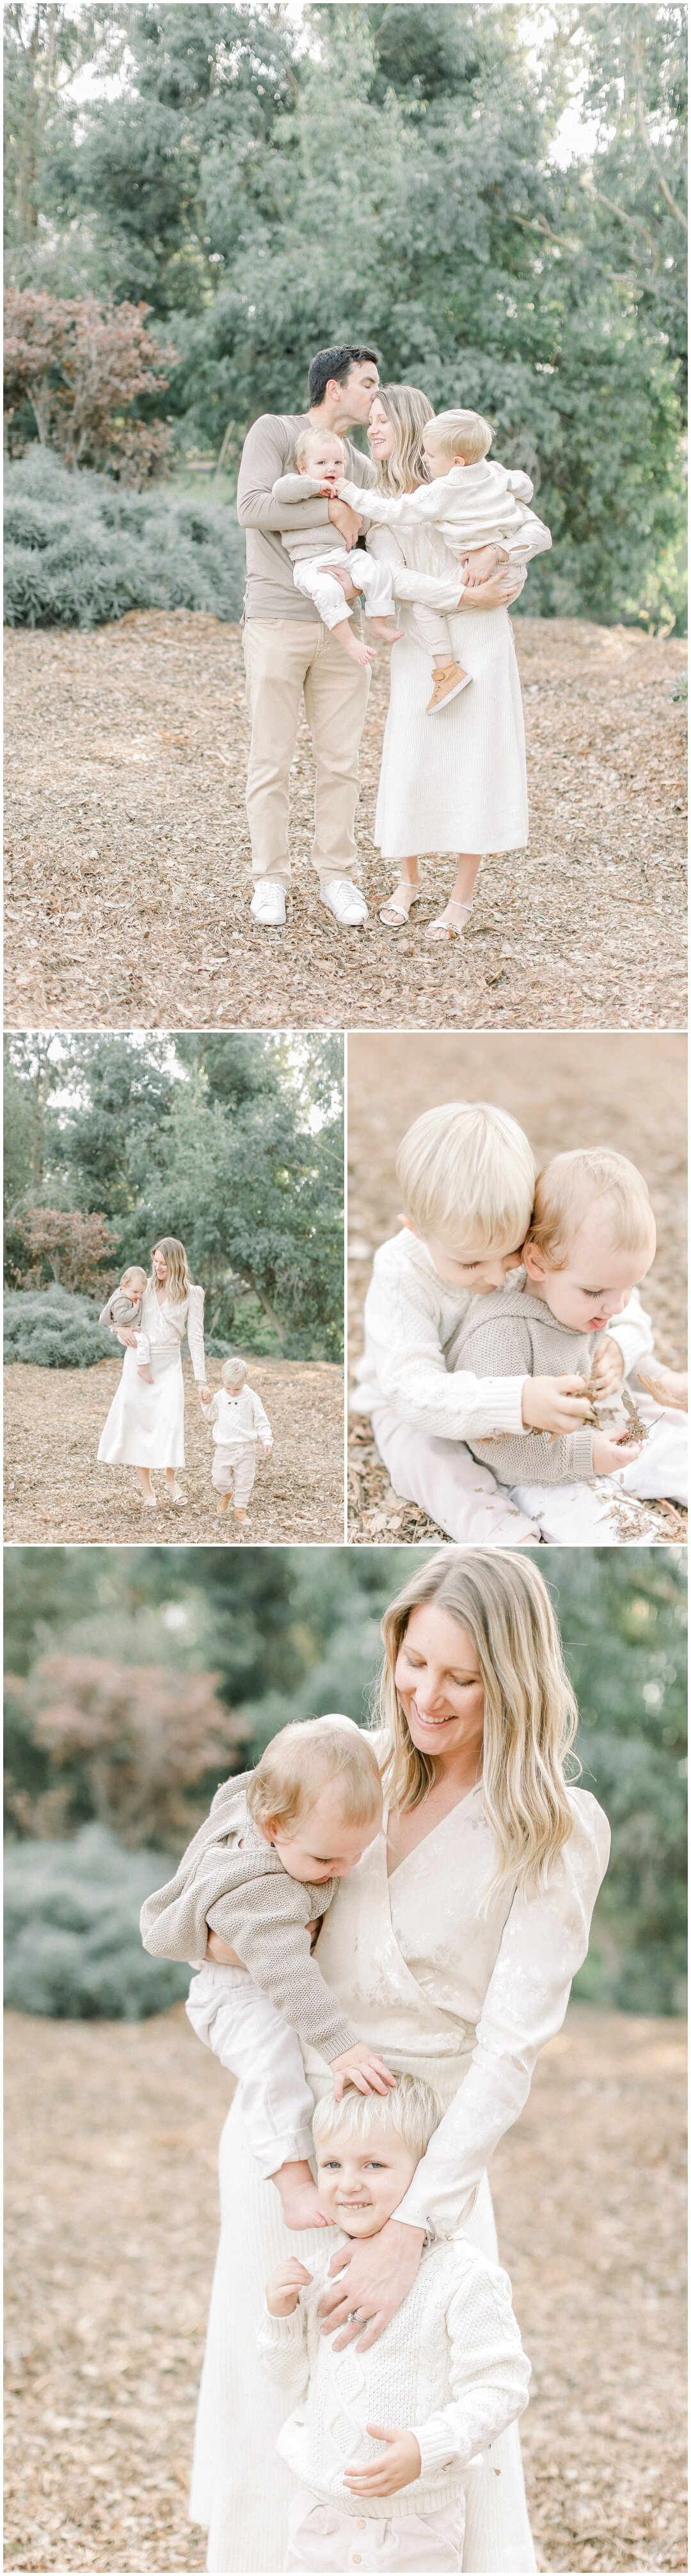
479 510
467 1179
318 468
591 1238
259 1871
238 1422
385 2437
125 1307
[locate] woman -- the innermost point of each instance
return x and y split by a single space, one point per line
453 1943
456 782
145 1426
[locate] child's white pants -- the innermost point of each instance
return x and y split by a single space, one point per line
432 630
315 578
591 1515
322 2538
143 1350
234 1469
242 2026
449 1484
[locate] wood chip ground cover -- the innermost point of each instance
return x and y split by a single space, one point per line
112 2135
55 1489
129 857
625 1091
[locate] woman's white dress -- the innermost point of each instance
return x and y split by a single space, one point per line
145 1425
459 1987
457 780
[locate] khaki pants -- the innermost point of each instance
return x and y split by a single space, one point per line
322 2538
447 1482
286 657
234 1468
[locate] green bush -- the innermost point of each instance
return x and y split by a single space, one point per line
54 1327
80 551
72 1943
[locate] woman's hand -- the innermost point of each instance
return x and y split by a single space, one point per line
125 1335
359 2066
498 592
376 2275
221 1952
204 1392
401 2465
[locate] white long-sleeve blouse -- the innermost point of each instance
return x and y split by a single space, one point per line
165 1321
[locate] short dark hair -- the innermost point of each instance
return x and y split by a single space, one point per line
336 362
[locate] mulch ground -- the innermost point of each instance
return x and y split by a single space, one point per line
111 2233
128 848
55 1488
624 1091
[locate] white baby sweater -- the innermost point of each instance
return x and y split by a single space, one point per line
469 507
449 2367
411 1319
239 1418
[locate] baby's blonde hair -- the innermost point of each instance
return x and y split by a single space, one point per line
305 438
572 1186
467 1168
234 1371
409 2106
460 433
134 1271
296 1765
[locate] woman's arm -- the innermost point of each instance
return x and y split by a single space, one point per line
195 1332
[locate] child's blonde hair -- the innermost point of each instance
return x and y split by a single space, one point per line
134 1271
460 433
572 1186
234 1372
296 1765
409 2106
305 438
467 1167
178 1281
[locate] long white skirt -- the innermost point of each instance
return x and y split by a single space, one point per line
455 781
240 2488
146 1424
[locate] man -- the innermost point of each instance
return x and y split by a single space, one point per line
288 653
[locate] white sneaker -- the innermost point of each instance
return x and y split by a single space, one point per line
345 900
269 902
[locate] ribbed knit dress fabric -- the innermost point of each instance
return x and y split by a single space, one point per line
455 781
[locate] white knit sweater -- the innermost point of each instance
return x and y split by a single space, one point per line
239 1418
472 506
449 2368
411 1320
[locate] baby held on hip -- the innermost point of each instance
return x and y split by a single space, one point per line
316 552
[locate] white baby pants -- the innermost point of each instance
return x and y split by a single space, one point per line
595 1514
234 1469
432 630
449 1484
321 2537
242 2026
315 577
143 1350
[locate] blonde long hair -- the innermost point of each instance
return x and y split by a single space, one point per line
531 1714
178 1282
409 412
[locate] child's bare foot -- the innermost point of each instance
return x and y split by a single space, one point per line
223 1501
146 1373
298 2196
389 634
356 651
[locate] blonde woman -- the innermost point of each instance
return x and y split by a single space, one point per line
452 1946
145 1426
460 784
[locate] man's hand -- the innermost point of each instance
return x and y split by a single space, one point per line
350 588
608 1368
283 2287
345 520
483 561
360 2067
402 2463
376 2275
554 1403
614 1449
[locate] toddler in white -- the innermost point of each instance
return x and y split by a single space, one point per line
481 512
381 2437
238 1422
591 1238
313 551
467 1180
256 1877
125 1307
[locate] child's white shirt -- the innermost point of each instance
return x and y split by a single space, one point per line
449 2367
239 1418
411 1317
469 507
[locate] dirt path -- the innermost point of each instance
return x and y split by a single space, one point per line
56 1490
111 2227
128 847
625 1091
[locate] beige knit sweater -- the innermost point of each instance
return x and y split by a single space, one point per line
514 1333
266 455
311 539
230 1880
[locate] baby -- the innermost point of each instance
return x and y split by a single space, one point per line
318 456
479 510
125 1307
467 1179
257 1874
238 1420
384 2436
591 1238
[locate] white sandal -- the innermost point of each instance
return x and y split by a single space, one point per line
451 923
150 1502
394 913
175 1494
